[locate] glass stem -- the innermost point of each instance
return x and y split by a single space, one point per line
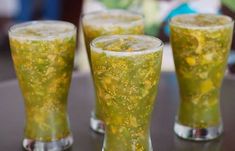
46 126
124 139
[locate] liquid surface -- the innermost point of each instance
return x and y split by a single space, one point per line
126 88
201 20
127 43
200 56
44 67
116 17
42 30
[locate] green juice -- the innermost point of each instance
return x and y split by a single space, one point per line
43 54
126 78
201 45
109 23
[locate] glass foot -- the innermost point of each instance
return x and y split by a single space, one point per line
58 145
198 134
96 124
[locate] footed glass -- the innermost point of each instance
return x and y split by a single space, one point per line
126 70
43 54
108 23
201 44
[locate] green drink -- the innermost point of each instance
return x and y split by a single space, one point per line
108 23
126 71
43 53
201 45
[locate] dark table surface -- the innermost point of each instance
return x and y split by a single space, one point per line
81 102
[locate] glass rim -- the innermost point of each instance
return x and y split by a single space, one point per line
148 50
96 13
20 25
184 25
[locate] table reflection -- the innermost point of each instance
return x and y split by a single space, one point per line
183 145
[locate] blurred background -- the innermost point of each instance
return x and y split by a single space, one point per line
156 12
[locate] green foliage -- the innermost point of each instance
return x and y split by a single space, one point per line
122 4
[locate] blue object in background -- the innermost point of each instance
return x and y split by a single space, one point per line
51 9
181 9
26 10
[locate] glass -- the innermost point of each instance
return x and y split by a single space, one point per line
126 71
201 44
108 23
43 53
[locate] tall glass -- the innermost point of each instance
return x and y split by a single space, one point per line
126 71
108 23
201 45
43 53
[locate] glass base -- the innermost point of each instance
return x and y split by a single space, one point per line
96 124
117 146
198 134
58 145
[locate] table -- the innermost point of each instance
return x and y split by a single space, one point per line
81 102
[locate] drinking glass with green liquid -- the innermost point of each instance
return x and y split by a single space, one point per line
108 23
126 70
43 53
201 44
